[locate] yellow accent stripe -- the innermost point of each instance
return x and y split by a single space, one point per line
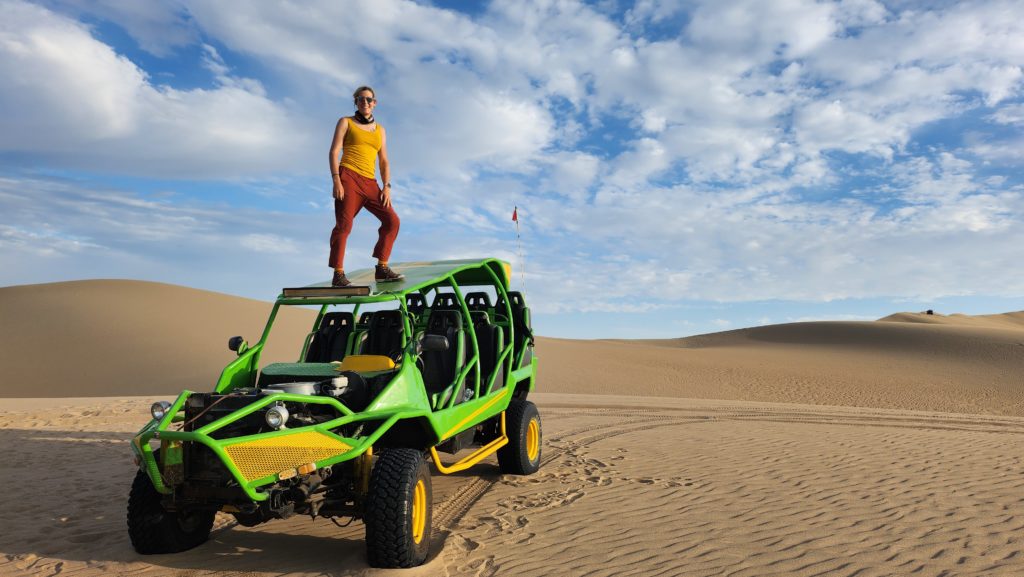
474 414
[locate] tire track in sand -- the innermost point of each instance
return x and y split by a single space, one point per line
782 491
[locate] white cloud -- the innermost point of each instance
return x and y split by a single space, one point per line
767 150
794 28
55 230
1010 114
158 27
40 242
269 243
818 318
75 102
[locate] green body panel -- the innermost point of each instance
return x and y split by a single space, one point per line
406 392
449 422
404 396
240 372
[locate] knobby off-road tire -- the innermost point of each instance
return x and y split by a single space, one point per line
521 456
398 510
153 529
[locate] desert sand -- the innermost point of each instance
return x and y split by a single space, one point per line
827 448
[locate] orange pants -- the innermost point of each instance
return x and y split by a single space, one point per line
359 192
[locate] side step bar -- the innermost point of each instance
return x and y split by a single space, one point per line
477 456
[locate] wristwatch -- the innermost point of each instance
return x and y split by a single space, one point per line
387 185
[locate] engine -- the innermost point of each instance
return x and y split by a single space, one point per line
349 388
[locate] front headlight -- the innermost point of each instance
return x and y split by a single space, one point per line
159 409
277 416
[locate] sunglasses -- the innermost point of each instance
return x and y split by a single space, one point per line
366 99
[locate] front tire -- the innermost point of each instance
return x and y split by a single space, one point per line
398 510
521 456
153 529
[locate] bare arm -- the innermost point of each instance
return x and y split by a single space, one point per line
385 168
339 139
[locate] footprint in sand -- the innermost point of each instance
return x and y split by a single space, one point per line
464 544
480 568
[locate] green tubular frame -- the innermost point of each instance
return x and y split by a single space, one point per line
159 430
405 397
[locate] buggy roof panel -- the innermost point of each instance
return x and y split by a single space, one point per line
418 275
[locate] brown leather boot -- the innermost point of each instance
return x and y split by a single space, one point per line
385 274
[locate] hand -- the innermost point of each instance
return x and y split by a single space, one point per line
339 190
385 196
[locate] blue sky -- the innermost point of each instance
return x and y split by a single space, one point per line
679 167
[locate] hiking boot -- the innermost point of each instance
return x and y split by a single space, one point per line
385 274
340 280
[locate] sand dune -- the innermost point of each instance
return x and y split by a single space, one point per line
863 364
1013 320
825 448
122 337
93 338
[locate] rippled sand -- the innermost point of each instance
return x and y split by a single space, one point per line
629 486
825 448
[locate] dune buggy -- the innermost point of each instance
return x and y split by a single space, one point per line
389 377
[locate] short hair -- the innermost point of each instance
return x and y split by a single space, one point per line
362 88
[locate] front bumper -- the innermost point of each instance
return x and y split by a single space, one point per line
255 461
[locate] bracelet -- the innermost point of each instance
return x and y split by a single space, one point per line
335 174
388 185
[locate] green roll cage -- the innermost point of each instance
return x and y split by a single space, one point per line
403 398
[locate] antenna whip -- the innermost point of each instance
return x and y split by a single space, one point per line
519 243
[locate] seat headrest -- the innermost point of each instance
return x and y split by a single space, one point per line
415 302
515 299
445 301
336 319
478 301
442 320
386 319
364 319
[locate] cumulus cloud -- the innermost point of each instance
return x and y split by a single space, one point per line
158 27
707 150
74 102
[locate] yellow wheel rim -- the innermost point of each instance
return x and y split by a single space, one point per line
533 440
419 511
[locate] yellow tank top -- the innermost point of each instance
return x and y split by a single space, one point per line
359 151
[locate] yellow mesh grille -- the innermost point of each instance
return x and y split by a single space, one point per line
262 457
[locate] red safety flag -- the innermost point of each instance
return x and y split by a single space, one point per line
515 214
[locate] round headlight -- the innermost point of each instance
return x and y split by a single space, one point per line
159 409
277 416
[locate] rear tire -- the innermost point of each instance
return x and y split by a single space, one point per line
153 529
398 510
521 456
